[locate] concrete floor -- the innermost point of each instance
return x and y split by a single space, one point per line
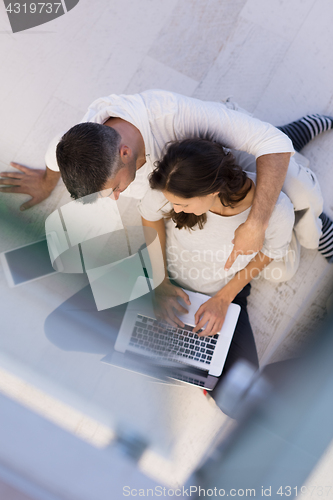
274 58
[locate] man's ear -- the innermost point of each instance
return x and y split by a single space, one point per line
125 153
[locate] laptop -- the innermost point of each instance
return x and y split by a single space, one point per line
180 353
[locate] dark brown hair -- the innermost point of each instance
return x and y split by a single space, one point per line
198 167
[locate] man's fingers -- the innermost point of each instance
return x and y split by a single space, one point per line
13 189
19 167
28 204
10 181
15 175
231 259
250 252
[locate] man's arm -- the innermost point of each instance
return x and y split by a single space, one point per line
38 183
271 173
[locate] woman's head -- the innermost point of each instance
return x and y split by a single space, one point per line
192 173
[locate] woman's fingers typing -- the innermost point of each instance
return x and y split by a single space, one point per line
210 316
183 295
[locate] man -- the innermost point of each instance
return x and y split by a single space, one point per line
121 137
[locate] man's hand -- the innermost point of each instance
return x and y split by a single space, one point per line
38 183
213 311
166 303
271 173
249 239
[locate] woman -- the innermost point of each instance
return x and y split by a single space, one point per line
201 195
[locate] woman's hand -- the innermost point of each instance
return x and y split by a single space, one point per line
166 303
213 313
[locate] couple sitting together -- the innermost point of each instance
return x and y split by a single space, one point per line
216 204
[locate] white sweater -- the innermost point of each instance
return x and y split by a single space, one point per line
163 116
196 257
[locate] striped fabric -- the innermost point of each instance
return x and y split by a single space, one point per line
326 240
301 132
307 128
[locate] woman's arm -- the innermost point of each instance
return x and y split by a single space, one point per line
166 303
159 227
215 309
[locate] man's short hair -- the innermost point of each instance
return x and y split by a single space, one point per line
88 155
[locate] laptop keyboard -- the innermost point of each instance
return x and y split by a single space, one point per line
160 339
